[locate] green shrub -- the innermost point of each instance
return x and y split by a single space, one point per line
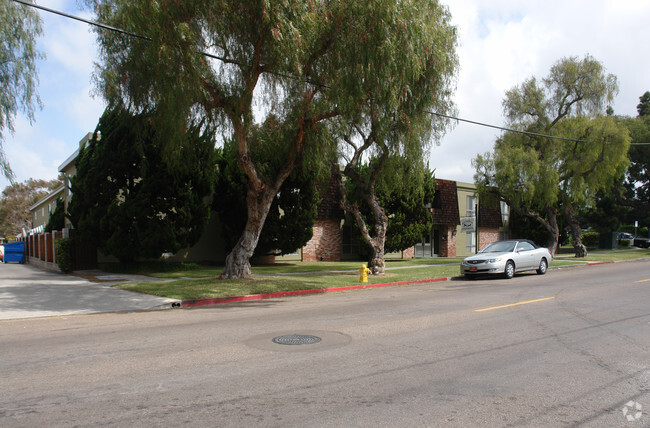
590 239
625 243
64 254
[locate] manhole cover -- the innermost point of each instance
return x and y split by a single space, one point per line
296 339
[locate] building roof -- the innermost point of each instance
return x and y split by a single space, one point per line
445 205
52 195
329 207
489 212
73 157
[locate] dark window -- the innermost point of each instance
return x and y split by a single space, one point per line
437 199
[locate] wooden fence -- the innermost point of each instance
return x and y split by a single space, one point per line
40 250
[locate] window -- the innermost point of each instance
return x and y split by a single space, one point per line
470 242
525 246
437 199
505 212
471 206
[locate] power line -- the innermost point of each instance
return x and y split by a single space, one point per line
501 128
139 36
104 26
534 134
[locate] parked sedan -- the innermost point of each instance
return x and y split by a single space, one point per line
507 257
625 235
641 242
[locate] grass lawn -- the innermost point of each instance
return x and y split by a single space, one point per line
606 256
195 270
195 281
211 287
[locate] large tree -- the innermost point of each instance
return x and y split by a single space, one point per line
635 189
304 61
403 78
545 177
16 200
19 28
404 191
129 200
289 224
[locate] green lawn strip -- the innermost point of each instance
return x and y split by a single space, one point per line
211 288
165 270
617 255
606 256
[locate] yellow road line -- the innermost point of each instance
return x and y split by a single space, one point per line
513 304
643 280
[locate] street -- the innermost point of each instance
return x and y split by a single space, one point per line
568 348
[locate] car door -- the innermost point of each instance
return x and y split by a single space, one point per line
527 256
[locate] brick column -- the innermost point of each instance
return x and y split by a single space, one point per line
325 243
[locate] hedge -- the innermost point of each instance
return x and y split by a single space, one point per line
64 254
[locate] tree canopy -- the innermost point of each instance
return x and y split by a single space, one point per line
544 176
418 63
19 28
636 184
129 200
643 108
303 61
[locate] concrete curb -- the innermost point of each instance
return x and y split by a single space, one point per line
223 300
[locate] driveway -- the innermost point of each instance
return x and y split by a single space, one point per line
29 292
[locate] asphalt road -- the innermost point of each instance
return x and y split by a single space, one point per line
570 348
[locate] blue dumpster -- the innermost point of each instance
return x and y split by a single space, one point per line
15 252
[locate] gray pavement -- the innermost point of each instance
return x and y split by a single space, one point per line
29 292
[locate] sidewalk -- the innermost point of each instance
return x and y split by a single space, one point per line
29 292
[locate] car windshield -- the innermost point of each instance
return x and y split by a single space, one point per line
499 247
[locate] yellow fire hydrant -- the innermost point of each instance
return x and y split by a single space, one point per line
364 271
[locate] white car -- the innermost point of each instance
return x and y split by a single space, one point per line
507 257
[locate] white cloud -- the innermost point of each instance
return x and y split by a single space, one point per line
503 42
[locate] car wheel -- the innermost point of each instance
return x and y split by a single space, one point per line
543 267
509 271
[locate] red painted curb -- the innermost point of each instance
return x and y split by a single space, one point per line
250 297
598 263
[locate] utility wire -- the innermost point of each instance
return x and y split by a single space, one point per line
534 134
139 36
104 26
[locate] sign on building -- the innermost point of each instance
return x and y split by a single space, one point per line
467 225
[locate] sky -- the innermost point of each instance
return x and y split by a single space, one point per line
501 43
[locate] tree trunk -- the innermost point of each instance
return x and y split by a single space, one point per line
376 244
553 229
551 226
576 234
377 263
238 261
